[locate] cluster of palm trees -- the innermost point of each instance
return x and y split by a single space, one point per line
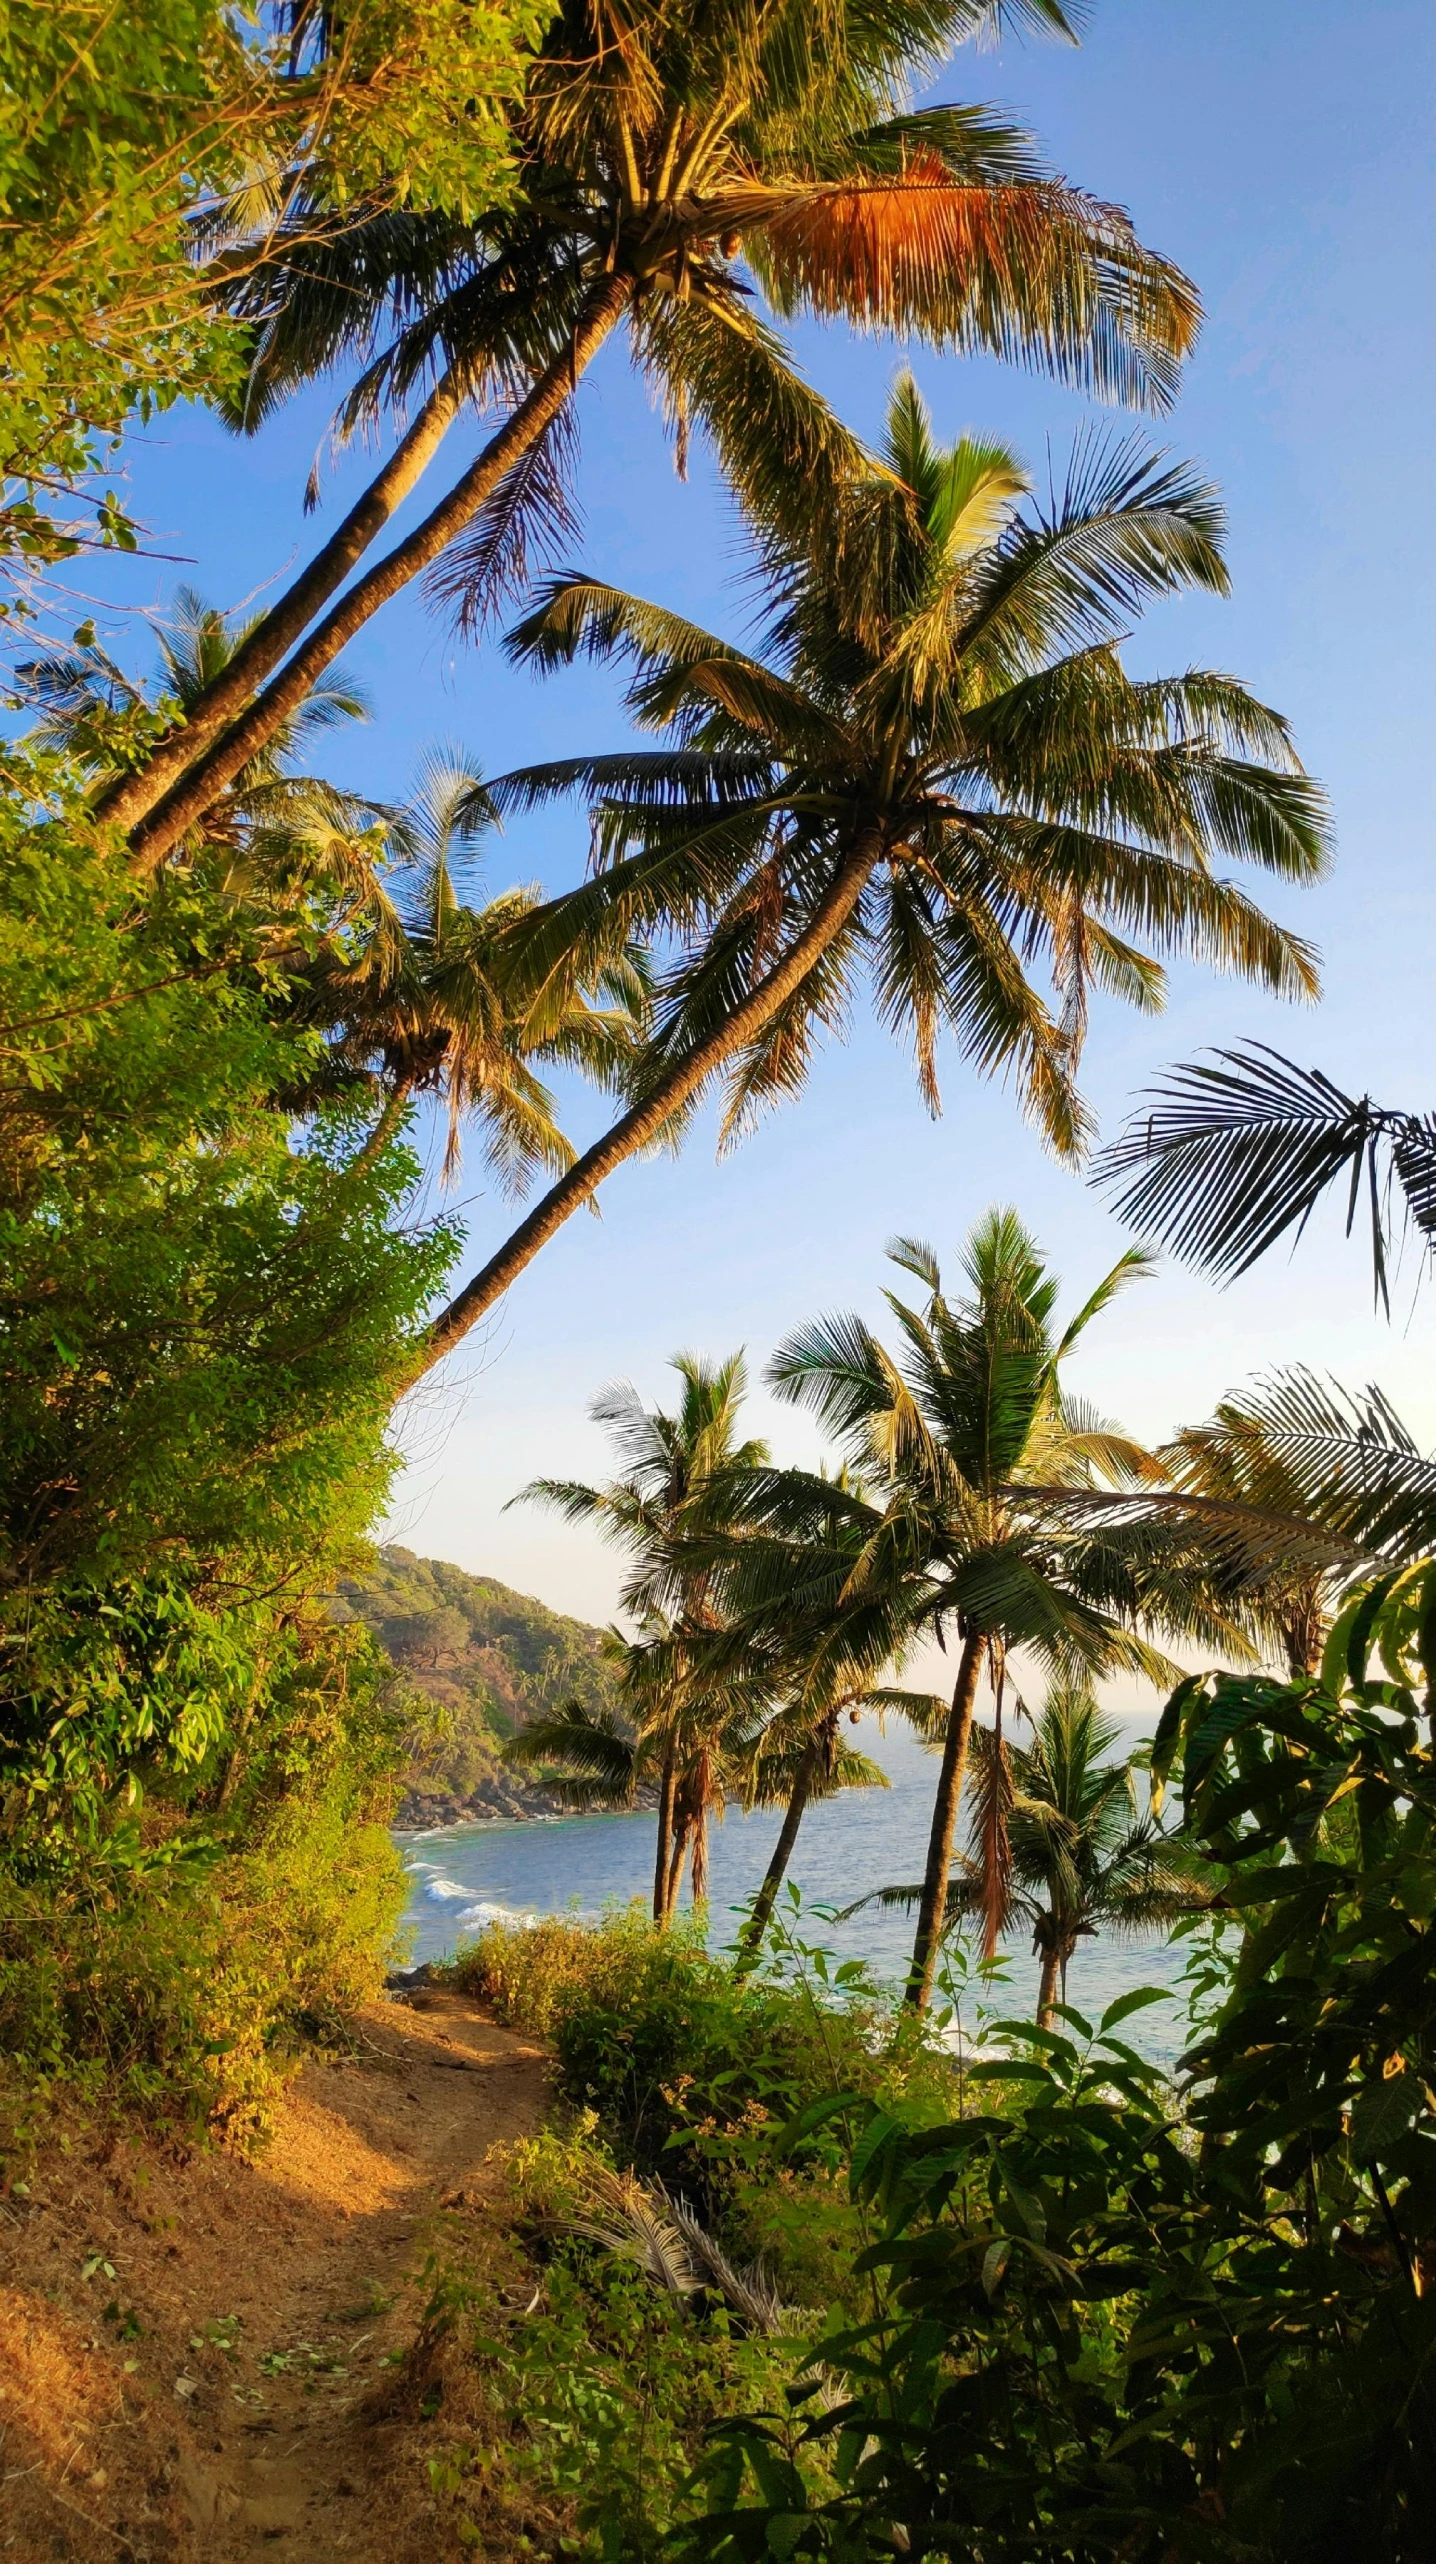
931 785
977 1502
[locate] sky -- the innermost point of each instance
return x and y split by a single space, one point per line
1282 154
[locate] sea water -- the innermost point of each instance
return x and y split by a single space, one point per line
465 1876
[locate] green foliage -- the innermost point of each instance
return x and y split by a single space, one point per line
601 2396
119 126
205 1313
1106 2328
189 1985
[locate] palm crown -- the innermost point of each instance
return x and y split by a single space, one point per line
414 992
938 774
655 150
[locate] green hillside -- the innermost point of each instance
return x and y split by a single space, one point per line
486 1660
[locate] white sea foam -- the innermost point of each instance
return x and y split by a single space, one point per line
478 1915
443 1890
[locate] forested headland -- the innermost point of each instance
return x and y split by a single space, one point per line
775 2260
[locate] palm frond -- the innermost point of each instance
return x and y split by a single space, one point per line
1235 1152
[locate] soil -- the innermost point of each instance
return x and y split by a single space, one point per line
205 2356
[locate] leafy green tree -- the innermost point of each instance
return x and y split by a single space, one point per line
976 1451
938 776
117 126
655 153
1234 1153
205 1317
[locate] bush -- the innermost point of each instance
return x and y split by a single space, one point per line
600 2395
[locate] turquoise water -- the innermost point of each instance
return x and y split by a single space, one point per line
469 1875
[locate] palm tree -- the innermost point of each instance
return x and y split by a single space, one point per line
683 1705
1079 1856
270 808
1303 1448
415 996
781 1563
655 150
941 774
1234 1153
979 1450
409 983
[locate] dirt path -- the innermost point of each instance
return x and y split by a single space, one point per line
201 2360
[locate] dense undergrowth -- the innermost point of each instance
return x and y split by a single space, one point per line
808 2284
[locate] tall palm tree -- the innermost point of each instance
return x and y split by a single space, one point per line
940 775
781 1562
976 1448
1080 1855
676 1470
656 150
1235 1152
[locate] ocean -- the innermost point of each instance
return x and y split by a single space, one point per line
468 1875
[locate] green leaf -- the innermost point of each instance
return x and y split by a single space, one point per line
1382 2114
1137 2001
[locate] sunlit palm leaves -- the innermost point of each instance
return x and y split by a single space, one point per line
1235 1152
940 688
417 991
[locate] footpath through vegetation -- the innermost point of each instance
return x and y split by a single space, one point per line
203 2355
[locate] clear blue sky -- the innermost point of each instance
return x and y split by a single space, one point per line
1282 153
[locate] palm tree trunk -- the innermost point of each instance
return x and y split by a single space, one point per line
201 783
750 1940
698 1870
665 1839
636 1128
674 1879
931 1911
1047 1988
134 796
392 1112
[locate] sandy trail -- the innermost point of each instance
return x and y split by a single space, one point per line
201 2359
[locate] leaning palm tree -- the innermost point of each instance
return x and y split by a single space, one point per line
656 150
978 1453
687 1711
939 777
1233 1153
1080 1856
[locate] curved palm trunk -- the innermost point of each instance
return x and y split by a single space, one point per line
259 654
663 1851
750 1940
201 782
944 1824
636 1128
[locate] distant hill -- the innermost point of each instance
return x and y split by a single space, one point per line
489 1660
